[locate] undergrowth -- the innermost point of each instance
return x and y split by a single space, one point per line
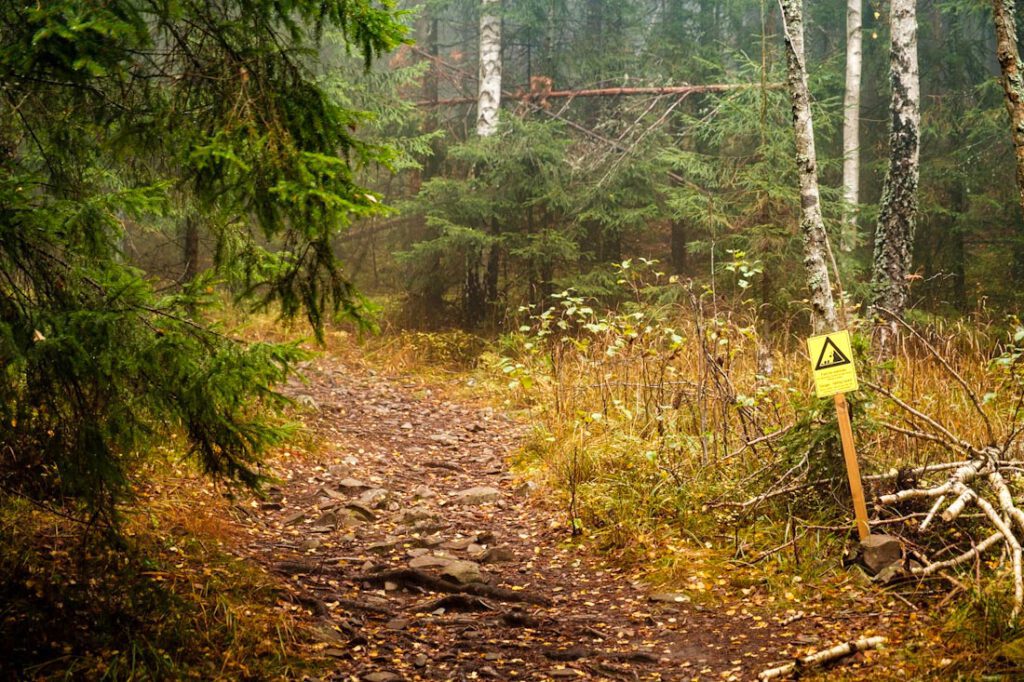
162 597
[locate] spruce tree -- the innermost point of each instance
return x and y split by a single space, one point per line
112 114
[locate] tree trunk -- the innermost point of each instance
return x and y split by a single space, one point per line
895 232
823 309
190 249
1013 79
851 126
484 291
677 245
489 94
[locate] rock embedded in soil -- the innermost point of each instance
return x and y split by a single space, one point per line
360 511
495 555
478 495
462 572
422 492
382 676
880 551
351 485
415 515
375 498
429 561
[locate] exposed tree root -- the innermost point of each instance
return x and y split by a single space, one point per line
417 578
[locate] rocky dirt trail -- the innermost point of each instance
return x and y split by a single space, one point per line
420 557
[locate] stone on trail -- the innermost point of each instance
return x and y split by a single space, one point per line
486 537
460 544
375 498
415 515
422 492
444 439
361 512
879 551
478 495
351 485
384 546
462 572
429 561
382 676
496 555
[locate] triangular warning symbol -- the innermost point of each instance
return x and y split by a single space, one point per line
831 356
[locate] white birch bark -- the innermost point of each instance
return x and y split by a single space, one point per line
489 94
894 234
812 226
851 124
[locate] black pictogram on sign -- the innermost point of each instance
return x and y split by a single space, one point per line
831 356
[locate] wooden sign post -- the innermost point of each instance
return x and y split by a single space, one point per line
835 375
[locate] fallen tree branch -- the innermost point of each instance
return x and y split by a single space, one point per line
960 559
539 96
822 657
962 475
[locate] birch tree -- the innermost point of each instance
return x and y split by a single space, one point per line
895 231
812 226
1013 80
851 125
489 94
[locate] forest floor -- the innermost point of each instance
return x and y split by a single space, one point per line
414 553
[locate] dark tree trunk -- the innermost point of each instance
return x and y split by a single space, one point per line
491 277
190 249
677 244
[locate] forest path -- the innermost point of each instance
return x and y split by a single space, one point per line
386 531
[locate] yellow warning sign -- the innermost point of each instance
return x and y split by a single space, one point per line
832 363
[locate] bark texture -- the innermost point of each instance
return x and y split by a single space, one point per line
190 249
894 234
489 94
812 226
851 124
1004 13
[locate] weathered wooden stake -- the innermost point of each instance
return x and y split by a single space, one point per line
860 507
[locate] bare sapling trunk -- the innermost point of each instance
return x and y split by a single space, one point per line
851 125
1013 80
489 94
190 248
812 226
894 234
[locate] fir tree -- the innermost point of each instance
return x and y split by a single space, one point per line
112 113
